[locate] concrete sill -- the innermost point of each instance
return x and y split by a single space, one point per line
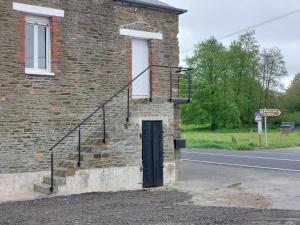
39 73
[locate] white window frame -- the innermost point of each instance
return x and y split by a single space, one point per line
45 22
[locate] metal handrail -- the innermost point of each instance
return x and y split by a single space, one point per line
180 69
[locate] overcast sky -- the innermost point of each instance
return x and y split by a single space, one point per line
218 18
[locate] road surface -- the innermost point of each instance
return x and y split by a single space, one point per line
278 159
253 179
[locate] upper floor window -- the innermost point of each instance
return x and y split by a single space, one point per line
37 45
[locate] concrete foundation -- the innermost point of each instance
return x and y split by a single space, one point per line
169 173
102 180
20 182
111 180
84 181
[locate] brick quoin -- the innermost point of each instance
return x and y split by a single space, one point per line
54 44
21 40
129 60
153 61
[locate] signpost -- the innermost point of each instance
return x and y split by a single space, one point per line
258 120
268 113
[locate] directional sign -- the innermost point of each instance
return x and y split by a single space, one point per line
270 112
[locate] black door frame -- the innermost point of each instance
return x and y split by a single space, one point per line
152 153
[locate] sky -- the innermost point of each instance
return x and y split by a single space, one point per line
206 18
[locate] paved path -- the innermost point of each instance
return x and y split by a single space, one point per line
278 159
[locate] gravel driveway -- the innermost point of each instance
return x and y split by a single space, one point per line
137 207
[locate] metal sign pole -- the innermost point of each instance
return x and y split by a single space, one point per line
260 140
265 113
266 134
258 120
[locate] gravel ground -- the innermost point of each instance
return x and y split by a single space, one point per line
137 207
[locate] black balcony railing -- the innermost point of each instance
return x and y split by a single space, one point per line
180 92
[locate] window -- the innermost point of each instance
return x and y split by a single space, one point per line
37 46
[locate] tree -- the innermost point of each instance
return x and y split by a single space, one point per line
291 97
272 68
230 84
211 86
244 70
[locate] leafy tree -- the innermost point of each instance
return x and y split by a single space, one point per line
292 95
272 70
210 86
230 84
244 70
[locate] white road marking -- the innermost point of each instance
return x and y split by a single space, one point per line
273 152
238 165
240 156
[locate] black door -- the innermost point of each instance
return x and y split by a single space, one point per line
152 154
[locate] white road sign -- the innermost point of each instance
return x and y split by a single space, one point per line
270 112
258 117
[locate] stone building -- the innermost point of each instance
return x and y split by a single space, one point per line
66 71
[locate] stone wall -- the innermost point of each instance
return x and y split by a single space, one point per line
91 64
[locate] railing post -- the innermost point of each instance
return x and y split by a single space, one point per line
171 85
128 93
179 74
151 83
104 126
190 86
52 174
79 147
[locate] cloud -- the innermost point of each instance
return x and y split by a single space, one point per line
217 18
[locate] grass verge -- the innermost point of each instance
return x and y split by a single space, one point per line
241 139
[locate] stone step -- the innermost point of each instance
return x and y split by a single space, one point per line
44 189
100 134
92 148
86 148
84 156
89 147
119 127
73 164
64 172
95 141
56 180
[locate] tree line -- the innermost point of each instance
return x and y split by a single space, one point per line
231 83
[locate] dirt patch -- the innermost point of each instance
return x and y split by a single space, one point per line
137 207
237 186
233 195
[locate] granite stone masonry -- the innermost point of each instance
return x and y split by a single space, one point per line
91 61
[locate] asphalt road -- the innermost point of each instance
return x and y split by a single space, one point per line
251 179
277 159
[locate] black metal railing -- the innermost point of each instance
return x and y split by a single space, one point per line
182 83
184 91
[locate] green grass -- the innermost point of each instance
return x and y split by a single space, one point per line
201 137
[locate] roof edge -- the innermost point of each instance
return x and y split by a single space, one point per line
168 8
